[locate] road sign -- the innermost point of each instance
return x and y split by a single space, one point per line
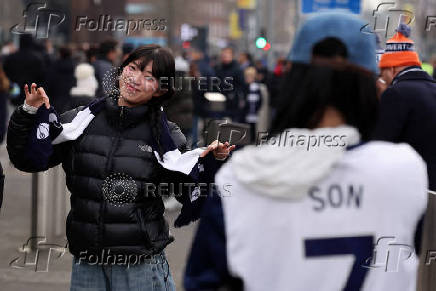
309 6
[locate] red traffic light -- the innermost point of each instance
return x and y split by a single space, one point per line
267 46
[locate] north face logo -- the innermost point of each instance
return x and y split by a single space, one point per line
145 148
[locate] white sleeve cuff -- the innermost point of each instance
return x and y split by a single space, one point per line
29 109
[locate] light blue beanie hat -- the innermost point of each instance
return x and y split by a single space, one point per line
358 38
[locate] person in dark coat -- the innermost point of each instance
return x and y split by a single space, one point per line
407 113
229 68
407 110
108 55
199 67
179 108
25 66
61 80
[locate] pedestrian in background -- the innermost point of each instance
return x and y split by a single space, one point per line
408 100
179 107
275 82
245 60
256 104
408 114
229 68
25 66
86 85
262 72
61 79
199 67
91 54
107 58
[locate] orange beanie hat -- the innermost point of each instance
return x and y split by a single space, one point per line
400 50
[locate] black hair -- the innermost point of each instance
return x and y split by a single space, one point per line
248 56
107 46
330 47
307 90
228 48
65 52
163 66
26 41
127 48
90 53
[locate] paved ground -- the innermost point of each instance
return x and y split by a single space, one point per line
15 229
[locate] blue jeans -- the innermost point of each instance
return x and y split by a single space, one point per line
152 275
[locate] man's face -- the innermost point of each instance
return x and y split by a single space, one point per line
226 56
242 58
114 55
196 55
136 86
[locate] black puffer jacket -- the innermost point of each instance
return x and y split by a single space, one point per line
114 142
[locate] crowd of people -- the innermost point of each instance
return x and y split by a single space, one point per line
293 210
75 74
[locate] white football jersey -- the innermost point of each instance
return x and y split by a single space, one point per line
353 231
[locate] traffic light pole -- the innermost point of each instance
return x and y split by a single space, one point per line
270 33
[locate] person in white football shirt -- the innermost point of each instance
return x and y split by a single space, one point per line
316 205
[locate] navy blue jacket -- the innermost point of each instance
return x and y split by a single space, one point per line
407 113
206 268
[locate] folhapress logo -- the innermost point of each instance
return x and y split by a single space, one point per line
38 19
388 254
386 17
38 258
